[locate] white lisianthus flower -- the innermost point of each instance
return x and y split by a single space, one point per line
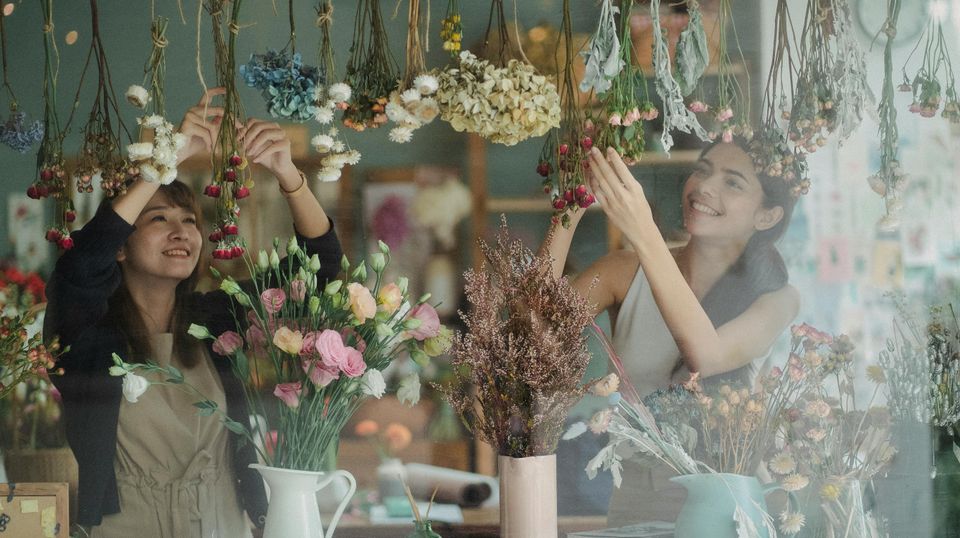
409 391
139 151
323 115
149 173
426 84
327 175
137 96
339 92
134 386
322 143
401 135
372 383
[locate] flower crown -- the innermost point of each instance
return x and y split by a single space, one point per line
773 156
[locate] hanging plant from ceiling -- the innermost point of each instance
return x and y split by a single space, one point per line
412 105
934 82
52 177
503 99
18 133
889 180
331 97
371 69
727 112
625 105
563 159
231 180
676 115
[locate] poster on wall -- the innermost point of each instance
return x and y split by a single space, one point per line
25 228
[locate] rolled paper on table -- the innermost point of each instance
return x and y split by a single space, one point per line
468 490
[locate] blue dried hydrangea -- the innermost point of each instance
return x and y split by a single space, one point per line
20 135
672 404
285 83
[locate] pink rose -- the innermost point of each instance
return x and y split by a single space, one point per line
309 349
320 374
227 343
289 393
354 365
390 298
330 346
429 322
298 290
362 303
273 299
615 120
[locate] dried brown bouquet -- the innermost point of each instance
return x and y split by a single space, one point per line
522 359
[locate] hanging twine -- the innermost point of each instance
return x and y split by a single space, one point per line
325 15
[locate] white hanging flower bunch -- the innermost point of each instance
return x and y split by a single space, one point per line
454 198
329 100
506 104
336 154
412 108
157 160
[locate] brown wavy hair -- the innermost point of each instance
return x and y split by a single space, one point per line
127 315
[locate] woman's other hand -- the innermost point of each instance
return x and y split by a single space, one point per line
201 126
266 143
621 197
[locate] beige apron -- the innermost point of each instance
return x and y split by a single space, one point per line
173 466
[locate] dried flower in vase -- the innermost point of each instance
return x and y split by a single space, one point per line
523 355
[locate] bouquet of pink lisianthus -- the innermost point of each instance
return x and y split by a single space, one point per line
325 345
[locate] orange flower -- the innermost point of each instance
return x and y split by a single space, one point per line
397 436
366 428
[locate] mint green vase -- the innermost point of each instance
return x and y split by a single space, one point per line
712 500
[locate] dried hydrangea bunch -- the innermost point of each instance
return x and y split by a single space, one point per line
505 105
285 83
524 354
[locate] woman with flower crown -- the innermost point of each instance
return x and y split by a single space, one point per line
155 468
712 306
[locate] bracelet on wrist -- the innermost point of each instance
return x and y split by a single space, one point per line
295 192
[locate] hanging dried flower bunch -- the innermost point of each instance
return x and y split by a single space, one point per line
934 83
563 159
729 114
288 86
676 115
505 100
371 69
231 177
451 29
52 177
412 104
100 152
330 98
156 160
889 180
626 105
17 132
524 352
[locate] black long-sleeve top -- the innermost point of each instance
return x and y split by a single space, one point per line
83 280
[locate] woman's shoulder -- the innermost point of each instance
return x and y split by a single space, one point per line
784 299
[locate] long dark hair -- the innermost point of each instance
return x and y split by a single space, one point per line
125 314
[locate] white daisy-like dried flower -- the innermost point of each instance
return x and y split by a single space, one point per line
426 84
165 157
352 156
179 141
327 175
333 131
816 434
600 421
168 176
138 96
339 92
149 173
396 112
339 146
606 386
794 482
783 463
401 135
791 522
322 143
139 151
323 115
425 110
409 96
152 121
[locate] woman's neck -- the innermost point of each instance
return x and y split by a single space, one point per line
703 263
155 303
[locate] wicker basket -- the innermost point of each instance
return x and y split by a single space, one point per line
44 465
